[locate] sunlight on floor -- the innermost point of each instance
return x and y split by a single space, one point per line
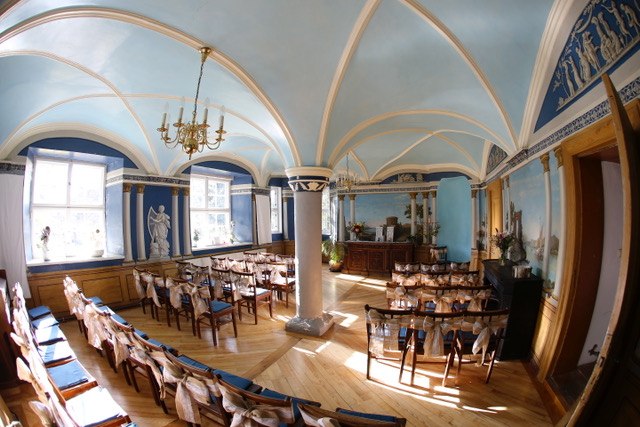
349 319
305 351
498 408
322 347
471 408
350 277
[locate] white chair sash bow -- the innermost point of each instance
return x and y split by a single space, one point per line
246 414
385 331
189 391
435 330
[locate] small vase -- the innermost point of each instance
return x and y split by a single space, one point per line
503 258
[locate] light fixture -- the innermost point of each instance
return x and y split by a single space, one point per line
346 180
192 136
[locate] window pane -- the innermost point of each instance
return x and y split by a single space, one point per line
55 219
326 212
78 237
50 182
197 193
275 198
87 185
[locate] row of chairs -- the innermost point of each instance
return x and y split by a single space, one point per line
430 267
434 336
443 278
67 394
191 296
202 391
438 298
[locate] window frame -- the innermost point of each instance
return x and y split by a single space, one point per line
326 211
68 206
278 206
226 211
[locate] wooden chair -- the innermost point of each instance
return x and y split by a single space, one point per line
473 298
406 267
250 295
440 299
465 278
156 292
386 334
441 278
179 301
280 408
434 336
185 270
282 281
219 263
141 288
401 297
210 311
314 416
481 332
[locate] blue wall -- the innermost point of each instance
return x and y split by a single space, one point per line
242 213
79 145
453 210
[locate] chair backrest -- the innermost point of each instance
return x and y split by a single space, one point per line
317 417
177 288
459 266
139 284
200 275
485 325
439 253
185 269
219 263
474 298
406 267
436 326
436 279
466 278
383 328
401 297
238 402
440 299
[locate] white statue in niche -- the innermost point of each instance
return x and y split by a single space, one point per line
158 224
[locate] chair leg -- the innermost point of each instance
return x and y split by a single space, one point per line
193 324
255 311
233 320
368 364
414 361
133 378
214 332
490 369
125 371
168 310
178 319
142 304
270 307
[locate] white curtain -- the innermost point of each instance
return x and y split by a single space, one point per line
12 257
263 218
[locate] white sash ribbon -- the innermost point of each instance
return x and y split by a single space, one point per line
95 331
385 331
189 392
246 414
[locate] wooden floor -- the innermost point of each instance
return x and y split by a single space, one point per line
330 369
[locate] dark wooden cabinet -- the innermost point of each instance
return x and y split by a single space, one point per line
522 297
376 257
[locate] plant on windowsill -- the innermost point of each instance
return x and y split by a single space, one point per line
336 252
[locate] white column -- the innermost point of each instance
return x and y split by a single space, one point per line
563 225
474 217
175 233
307 184
285 217
186 223
341 217
352 216
414 212
425 216
434 213
142 254
126 212
254 219
507 206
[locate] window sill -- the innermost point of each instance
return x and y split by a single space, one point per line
38 262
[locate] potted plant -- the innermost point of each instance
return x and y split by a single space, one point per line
336 252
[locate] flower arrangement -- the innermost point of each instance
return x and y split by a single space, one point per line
356 228
502 241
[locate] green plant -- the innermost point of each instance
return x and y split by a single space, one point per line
336 251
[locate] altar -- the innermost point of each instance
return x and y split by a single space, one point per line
375 257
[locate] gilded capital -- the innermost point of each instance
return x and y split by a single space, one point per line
126 187
341 197
559 158
140 188
185 192
544 159
352 196
425 195
175 191
474 193
413 195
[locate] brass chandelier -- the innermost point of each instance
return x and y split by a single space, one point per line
346 180
192 136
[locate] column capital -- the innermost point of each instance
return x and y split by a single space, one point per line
308 178
434 193
341 197
544 159
140 188
352 196
413 195
474 193
175 191
425 194
559 158
126 187
185 191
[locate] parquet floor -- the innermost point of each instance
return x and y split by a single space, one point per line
330 369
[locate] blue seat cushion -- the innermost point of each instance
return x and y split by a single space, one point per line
161 345
68 375
96 300
56 352
141 334
39 311
216 306
235 380
377 417
46 321
294 400
192 362
45 336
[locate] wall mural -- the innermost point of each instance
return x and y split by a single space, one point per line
496 155
604 36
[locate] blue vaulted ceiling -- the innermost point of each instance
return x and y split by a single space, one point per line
403 86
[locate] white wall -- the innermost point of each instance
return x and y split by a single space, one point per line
610 260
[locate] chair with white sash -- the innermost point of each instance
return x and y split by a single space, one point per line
481 334
314 416
386 334
432 336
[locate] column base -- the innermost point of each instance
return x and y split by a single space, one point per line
314 327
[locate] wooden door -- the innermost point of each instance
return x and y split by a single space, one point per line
494 200
612 396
